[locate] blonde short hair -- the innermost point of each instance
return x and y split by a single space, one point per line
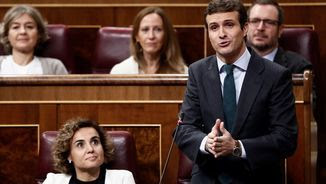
16 12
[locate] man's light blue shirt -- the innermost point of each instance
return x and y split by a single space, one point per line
271 55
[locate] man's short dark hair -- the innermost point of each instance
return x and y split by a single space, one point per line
223 6
273 3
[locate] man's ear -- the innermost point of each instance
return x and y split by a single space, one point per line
280 30
245 29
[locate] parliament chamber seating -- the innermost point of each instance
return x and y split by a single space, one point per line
303 41
125 153
184 170
58 46
112 47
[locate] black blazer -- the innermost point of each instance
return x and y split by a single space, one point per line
291 60
265 121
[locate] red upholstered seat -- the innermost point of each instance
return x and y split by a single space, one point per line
125 153
185 168
112 47
58 46
303 41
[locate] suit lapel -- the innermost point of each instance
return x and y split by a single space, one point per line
250 88
212 82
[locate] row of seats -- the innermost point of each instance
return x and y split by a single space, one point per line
110 40
106 54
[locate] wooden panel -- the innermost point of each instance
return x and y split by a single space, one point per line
18 154
47 116
86 15
93 87
17 114
74 15
303 160
89 93
298 158
147 140
177 15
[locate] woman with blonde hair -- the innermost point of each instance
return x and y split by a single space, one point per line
154 46
80 152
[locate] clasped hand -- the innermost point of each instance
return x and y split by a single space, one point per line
219 140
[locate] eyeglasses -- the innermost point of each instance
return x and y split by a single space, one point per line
266 22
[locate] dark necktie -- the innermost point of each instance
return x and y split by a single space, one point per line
229 98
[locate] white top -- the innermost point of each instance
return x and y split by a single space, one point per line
111 176
39 65
8 66
130 66
127 66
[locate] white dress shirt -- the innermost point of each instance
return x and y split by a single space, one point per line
239 72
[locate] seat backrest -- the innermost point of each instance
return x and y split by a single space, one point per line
58 46
125 153
303 41
112 47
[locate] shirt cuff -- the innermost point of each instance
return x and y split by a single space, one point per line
202 145
243 151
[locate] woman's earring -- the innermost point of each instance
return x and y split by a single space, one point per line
69 161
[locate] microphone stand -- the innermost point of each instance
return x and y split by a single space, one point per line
171 147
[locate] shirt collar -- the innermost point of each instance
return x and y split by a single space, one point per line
271 55
241 63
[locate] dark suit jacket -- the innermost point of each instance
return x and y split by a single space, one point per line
291 60
265 121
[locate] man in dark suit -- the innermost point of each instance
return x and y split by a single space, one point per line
238 112
266 20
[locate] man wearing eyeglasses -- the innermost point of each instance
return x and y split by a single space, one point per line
265 19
